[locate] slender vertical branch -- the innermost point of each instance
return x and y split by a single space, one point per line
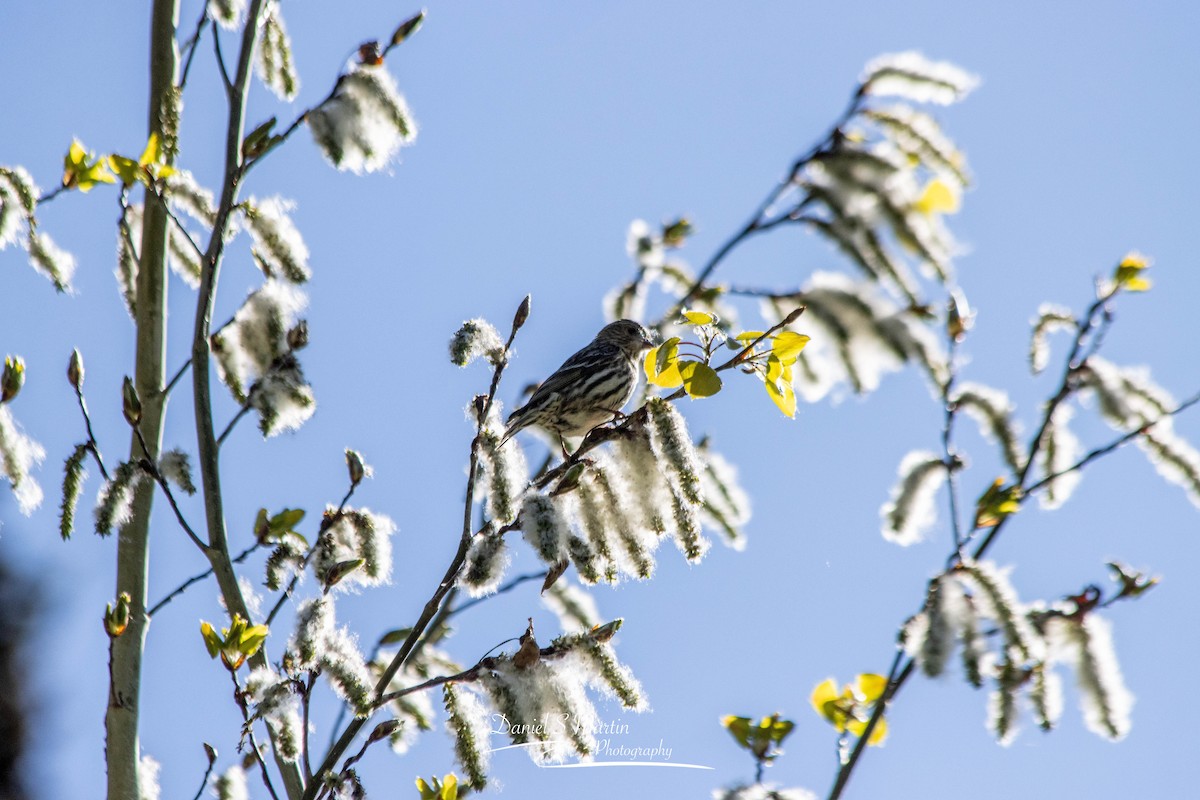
206 440
122 750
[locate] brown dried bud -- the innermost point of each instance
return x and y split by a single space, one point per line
297 337
528 654
522 312
369 53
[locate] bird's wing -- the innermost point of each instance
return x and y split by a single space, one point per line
574 369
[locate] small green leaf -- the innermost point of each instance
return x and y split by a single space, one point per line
699 380
286 520
739 728
394 636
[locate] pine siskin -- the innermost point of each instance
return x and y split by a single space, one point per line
590 387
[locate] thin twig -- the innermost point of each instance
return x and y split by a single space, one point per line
50 195
312 679
243 411
1113 445
240 699
153 471
183 587
433 605
759 221
166 207
326 522
1074 362
216 37
506 587
950 411
190 46
93 446
204 780
178 375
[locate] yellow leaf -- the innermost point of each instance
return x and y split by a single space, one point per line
1128 273
153 153
878 734
82 170
1135 260
450 787
778 383
128 170
699 317
699 380
212 642
787 346
784 396
824 700
668 378
938 198
871 686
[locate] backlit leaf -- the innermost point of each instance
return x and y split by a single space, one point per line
699 380
787 346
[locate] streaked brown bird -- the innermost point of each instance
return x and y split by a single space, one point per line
590 387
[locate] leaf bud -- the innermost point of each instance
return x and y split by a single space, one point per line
14 378
355 466
385 729
959 316
131 406
522 312
75 370
408 28
116 620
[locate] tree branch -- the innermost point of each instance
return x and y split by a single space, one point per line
208 456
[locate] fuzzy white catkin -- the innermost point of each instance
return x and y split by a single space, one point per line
996 599
364 124
231 785
277 241
476 338
18 455
356 533
1060 449
1087 644
545 527
487 560
51 260
993 411
914 77
176 468
469 722
910 511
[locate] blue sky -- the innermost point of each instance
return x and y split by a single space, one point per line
546 129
